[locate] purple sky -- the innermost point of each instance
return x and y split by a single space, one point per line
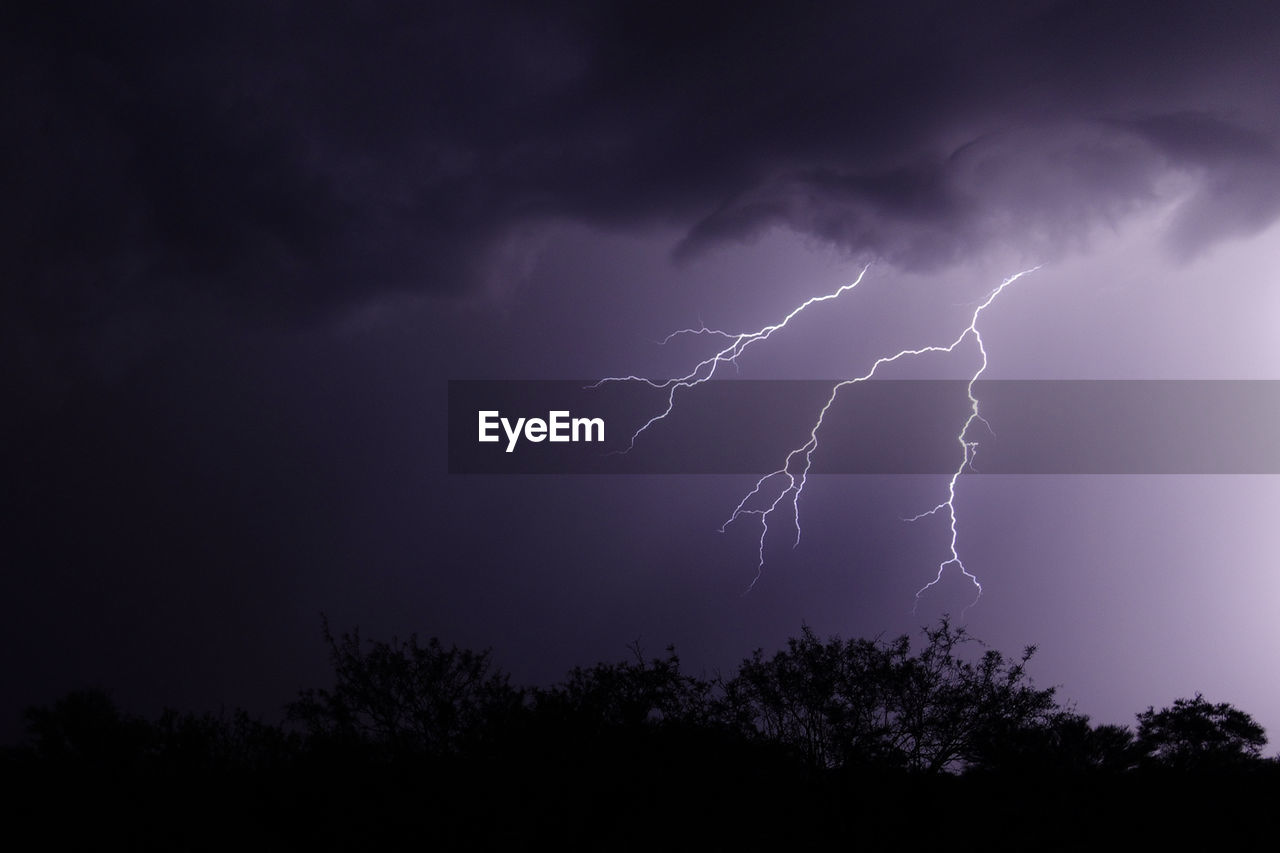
246 248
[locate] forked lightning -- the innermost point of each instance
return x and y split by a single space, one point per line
793 474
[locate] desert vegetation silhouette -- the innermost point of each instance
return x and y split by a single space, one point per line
899 743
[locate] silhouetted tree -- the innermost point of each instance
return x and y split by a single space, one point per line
834 739
629 694
236 741
1194 734
1112 748
1062 743
842 703
830 701
86 727
407 696
948 707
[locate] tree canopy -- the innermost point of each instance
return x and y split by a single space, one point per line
870 702
1196 734
853 739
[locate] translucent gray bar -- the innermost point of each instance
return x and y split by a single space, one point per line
879 427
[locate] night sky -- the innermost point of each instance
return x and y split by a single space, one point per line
245 247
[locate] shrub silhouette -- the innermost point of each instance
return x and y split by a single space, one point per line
85 727
828 701
406 697
1194 734
863 702
1063 743
420 744
629 694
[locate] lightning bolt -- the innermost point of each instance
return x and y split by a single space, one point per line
794 473
706 369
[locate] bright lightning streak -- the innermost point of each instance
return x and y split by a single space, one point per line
968 446
796 479
706 369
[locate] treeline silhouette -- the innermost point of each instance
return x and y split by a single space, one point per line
882 742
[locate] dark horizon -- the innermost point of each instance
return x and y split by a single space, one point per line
417 742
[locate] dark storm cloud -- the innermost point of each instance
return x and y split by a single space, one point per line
1240 189
285 162
1035 189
